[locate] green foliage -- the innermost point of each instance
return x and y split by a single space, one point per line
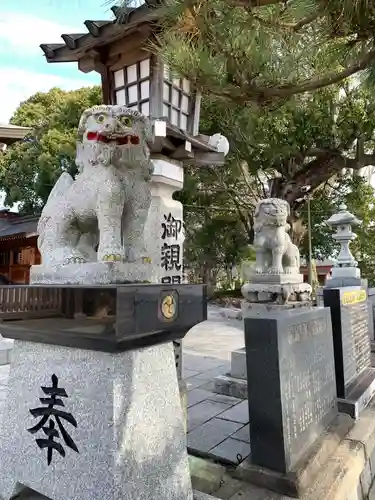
29 169
359 197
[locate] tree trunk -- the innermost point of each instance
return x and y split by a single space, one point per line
209 279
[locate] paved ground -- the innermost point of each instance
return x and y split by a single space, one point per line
217 425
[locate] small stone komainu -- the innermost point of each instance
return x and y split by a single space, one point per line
275 253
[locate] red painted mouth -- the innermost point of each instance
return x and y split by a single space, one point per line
119 140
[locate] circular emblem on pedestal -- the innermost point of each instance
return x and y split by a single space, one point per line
169 307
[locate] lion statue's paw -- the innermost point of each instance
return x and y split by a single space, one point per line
112 257
276 270
74 259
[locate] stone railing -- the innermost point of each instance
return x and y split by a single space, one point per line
20 302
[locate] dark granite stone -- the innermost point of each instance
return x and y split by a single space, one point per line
352 328
109 318
291 384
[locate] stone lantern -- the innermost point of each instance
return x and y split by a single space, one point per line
345 271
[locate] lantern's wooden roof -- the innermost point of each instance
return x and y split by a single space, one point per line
101 33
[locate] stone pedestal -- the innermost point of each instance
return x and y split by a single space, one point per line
355 378
128 441
282 290
93 409
100 273
294 421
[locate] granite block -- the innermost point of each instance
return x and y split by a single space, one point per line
210 434
101 273
238 413
238 364
230 386
204 411
231 450
129 429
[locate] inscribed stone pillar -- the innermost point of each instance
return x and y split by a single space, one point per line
164 230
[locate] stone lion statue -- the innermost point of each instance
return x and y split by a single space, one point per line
275 253
100 215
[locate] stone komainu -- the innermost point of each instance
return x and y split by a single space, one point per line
100 215
275 253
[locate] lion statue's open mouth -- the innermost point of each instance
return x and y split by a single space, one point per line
119 140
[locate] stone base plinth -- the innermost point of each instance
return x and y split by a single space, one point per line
359 395
277 293
254 308
344 281
346 272
89 273
278 279
123 416
302 476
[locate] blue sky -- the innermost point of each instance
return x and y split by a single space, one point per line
24 25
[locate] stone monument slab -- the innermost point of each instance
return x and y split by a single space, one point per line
291 390
355 379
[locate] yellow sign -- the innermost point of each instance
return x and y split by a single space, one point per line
169 306
353 297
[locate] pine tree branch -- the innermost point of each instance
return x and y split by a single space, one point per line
288 26
263 95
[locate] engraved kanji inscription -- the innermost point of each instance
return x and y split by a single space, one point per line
171 257
171 227
52 416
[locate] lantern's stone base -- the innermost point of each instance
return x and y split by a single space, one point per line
99 273
129 427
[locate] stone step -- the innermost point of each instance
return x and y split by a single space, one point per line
230 386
